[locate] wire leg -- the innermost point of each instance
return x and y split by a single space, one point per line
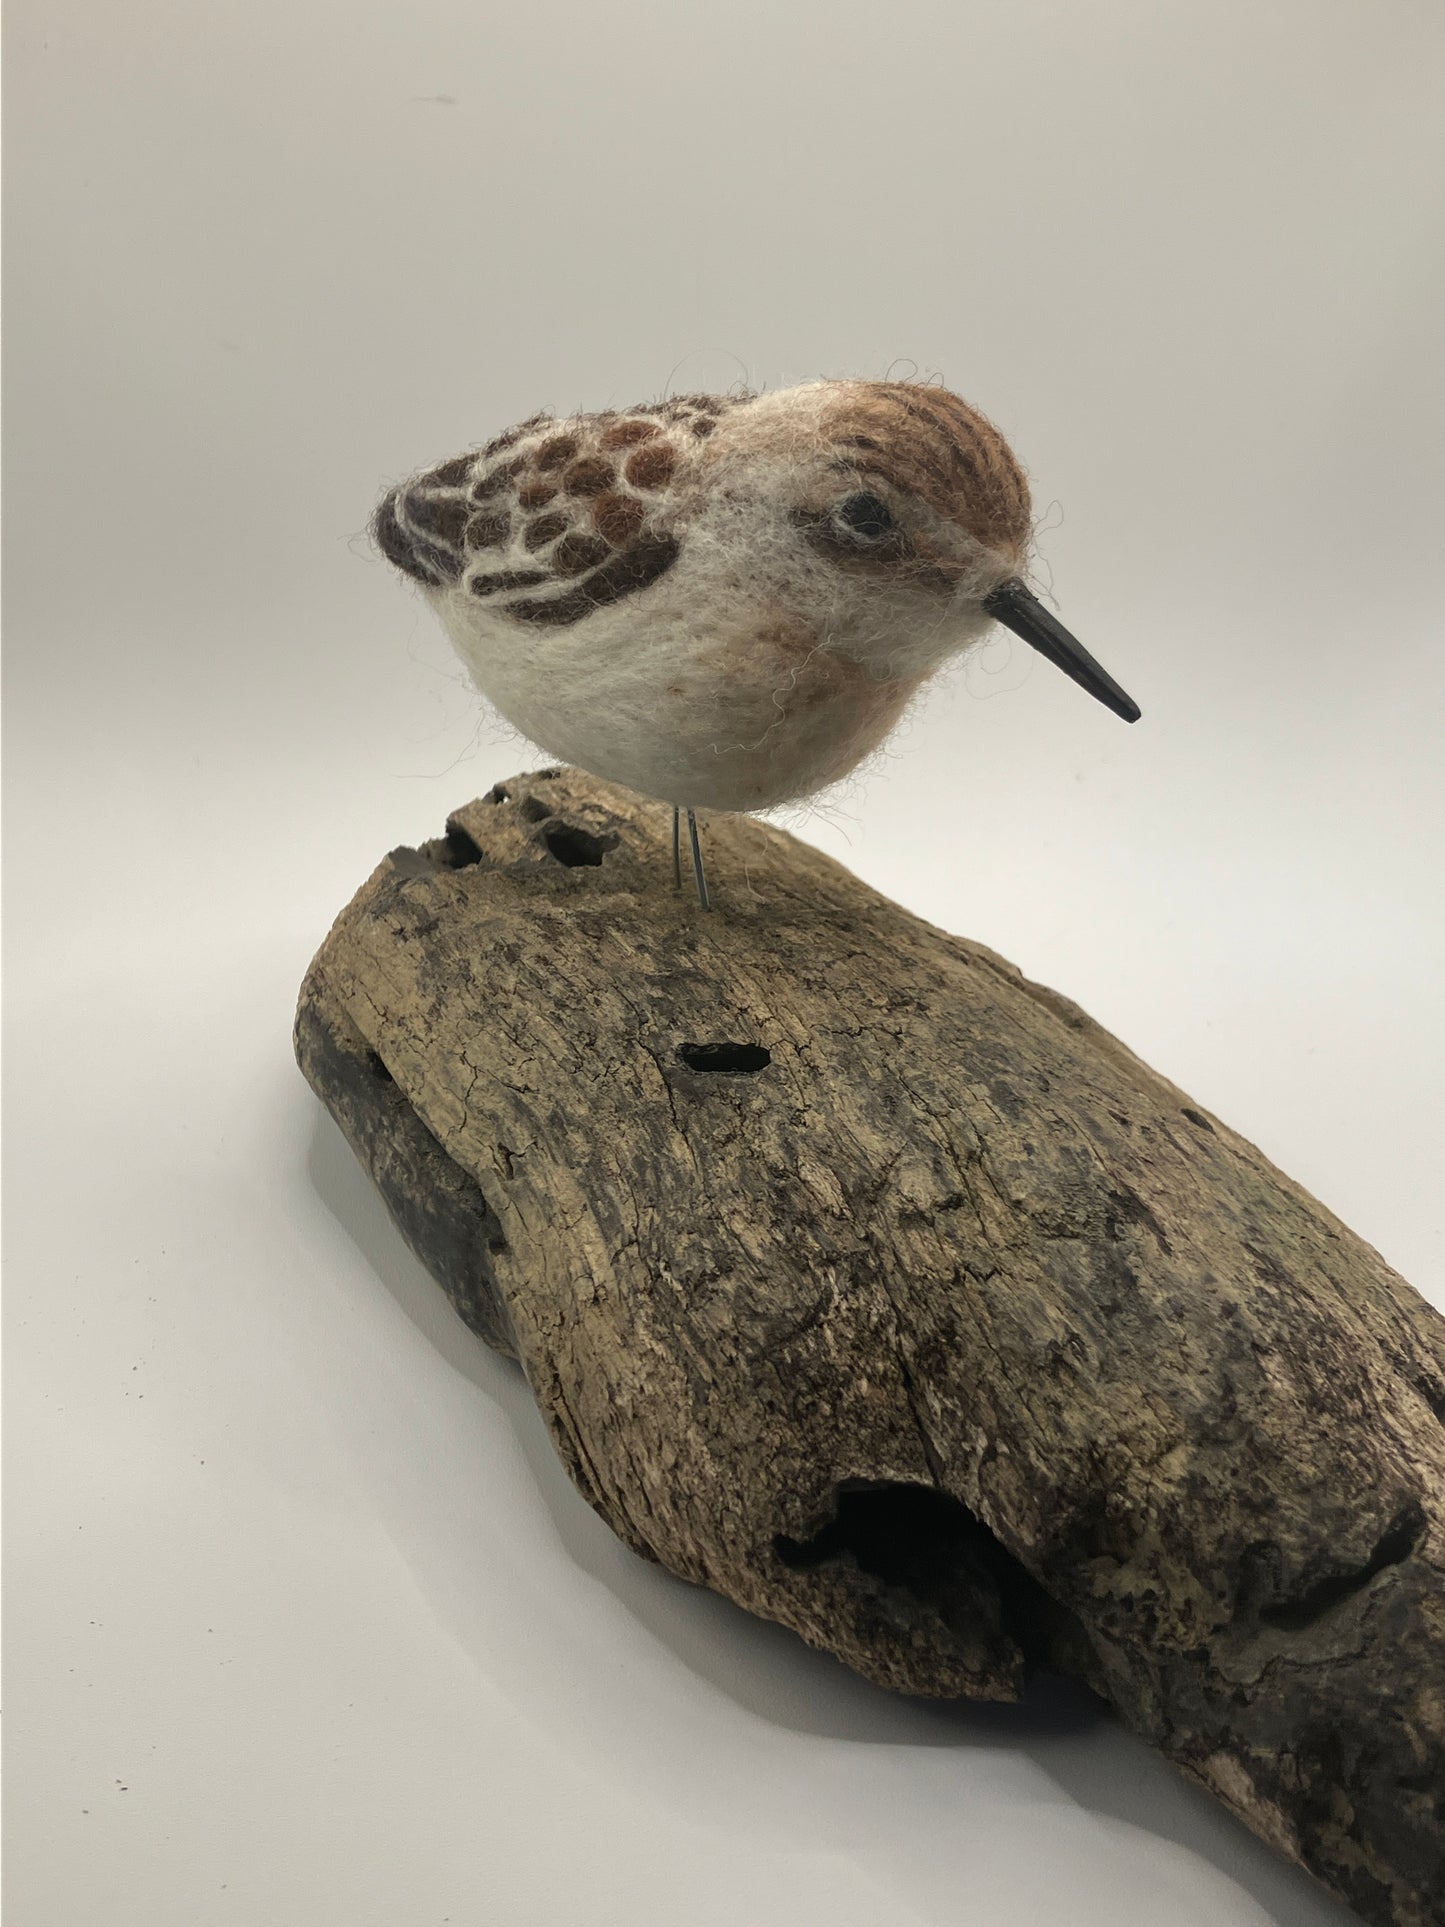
697 868
676 847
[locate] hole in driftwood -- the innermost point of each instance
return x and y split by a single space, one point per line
377 1068
923 1542
499 793
456 850
1198 1118
577 847
1397 1542
534 809
730 1060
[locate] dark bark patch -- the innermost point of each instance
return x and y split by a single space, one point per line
1127 1208
1268 1269
1395 1545
438 1208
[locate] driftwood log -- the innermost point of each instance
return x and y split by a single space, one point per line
880 1289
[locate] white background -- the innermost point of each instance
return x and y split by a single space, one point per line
306 1626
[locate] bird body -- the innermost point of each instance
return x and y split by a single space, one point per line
721 602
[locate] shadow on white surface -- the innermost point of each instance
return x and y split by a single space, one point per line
1061 1730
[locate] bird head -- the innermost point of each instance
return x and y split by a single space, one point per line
895 510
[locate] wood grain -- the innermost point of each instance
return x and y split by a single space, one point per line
880 1289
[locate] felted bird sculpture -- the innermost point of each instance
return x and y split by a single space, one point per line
728 602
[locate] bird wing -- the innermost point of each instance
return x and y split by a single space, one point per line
555 518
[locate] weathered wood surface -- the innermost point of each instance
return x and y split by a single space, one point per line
869 1283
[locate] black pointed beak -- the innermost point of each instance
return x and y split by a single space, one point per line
1018 609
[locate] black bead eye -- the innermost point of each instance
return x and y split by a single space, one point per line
865 516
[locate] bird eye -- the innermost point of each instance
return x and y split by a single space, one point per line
865 516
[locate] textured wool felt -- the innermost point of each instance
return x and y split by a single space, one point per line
672 598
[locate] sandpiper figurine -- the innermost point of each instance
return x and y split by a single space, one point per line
728 602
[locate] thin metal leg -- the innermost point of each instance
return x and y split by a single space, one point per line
676 847
697 868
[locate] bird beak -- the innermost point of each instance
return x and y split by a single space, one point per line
1018 609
